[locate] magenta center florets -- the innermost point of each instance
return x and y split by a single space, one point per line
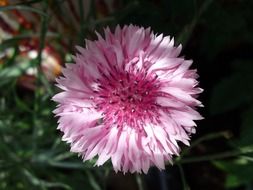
127 98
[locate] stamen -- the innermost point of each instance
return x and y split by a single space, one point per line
128 96
103 96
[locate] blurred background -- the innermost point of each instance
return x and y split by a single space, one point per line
38 36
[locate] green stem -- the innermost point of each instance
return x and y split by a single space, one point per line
139 182
92 180
43 31
181 171
39 183
247 158
241 151
205 138
82 21
187 31
23 8
63 156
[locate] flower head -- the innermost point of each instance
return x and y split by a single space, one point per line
128 97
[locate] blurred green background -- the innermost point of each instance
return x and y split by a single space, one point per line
38 36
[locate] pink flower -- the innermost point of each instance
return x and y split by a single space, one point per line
130 98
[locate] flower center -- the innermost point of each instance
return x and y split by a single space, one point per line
127 98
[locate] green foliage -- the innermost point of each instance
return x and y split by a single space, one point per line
233 91
239 171
236 92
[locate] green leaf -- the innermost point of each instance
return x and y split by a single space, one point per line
232 181
231 93
188 29
239 171
246 135
70 165
12 42
9 73
92 180
42 183
219 28
23 8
